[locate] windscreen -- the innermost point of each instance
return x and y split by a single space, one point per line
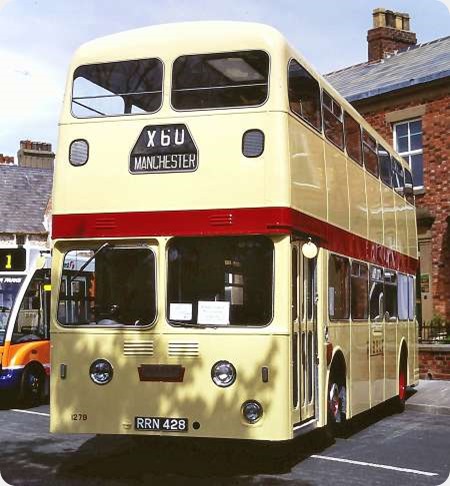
108 286
117 88
220 281
225 80
9 288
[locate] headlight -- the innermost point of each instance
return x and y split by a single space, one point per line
252 411
223 374
101 371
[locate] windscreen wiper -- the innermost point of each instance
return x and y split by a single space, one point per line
78 273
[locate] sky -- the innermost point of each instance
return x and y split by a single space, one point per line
38 38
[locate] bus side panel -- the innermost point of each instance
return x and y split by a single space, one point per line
337 186
358 200
308 180
375 209
402 233
79 405
390 237
390 359
35 351
359 371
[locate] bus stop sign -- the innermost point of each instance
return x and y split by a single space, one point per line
164 148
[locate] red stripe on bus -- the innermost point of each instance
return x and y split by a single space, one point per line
237 221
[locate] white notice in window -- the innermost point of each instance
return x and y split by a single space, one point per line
215 313
180 312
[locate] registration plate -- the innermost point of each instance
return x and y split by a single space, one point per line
161 424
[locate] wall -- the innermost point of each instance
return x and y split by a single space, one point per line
434 361
432 103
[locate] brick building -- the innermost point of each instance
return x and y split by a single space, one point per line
25 191
403 90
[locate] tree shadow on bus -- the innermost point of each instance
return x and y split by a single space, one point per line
194 461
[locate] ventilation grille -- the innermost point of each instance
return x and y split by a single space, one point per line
105 223
138 348
225 219
183 349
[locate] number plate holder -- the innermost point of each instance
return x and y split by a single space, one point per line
161 424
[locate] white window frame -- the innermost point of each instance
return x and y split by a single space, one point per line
405 155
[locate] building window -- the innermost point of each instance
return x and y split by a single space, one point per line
408 143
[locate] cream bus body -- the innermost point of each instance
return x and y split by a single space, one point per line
302 186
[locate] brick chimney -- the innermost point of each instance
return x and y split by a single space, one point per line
35 154
390 33
6 160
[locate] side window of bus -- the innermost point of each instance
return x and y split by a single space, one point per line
409 189
411 297
353 138
390 291
304 95
338 287
360 291
32 322
402 300
398 177
384 159
222 80
332 120
376 293
117 88
370 154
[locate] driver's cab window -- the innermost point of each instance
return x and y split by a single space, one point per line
33 319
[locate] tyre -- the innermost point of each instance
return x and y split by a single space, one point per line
32 386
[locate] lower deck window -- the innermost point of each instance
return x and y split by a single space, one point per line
220 281
338 287
108 286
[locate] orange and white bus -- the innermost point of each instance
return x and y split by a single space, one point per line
24 323
251 240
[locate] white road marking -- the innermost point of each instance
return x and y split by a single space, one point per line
30 411
370 464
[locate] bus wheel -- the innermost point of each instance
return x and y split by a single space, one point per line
32 386
336 399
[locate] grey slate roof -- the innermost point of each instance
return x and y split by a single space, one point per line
24 194
409 67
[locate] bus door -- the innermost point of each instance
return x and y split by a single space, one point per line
304 336
308 337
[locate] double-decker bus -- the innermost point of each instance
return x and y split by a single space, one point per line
251 241
24 324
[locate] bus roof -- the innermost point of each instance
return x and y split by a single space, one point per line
167 40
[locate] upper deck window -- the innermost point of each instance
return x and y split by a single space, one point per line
353 138
225 80
117 88
304 94
385 164
332 120
370 154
